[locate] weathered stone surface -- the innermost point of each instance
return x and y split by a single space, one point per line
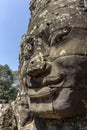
53 67
7 117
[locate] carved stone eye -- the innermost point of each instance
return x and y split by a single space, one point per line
60 35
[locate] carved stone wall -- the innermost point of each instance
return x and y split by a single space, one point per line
53 67
7 117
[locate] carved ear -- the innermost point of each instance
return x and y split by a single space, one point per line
85 4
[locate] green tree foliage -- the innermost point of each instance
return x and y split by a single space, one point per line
15 78
7 92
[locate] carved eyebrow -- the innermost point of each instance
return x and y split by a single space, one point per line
60 29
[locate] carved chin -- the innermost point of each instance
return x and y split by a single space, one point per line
66 103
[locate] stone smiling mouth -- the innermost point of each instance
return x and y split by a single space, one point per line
45 87
48 87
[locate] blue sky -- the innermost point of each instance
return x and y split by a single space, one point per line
14 18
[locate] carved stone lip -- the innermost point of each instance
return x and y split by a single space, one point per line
48 88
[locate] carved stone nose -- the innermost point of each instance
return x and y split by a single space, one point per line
37 66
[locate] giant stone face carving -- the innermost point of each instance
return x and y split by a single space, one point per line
53 59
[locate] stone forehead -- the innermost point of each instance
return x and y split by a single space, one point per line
57 14
45 2
36 5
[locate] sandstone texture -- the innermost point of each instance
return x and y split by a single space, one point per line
7 117
52 91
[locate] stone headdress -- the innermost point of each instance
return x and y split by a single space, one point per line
53 14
